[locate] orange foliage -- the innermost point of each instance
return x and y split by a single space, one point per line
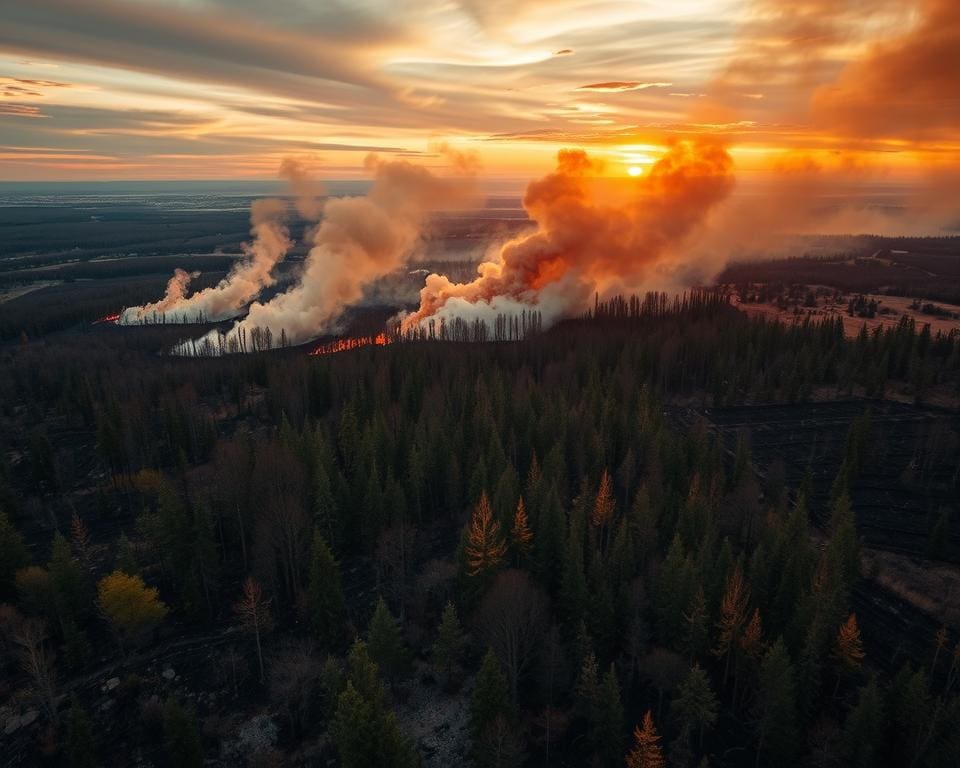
521 534
646 752
733 609
604 505
751 641
848 648
485 546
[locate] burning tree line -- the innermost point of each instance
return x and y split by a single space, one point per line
505 327
516 326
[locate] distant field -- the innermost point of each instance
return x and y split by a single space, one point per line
897 307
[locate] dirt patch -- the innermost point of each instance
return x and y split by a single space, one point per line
933 587
437 721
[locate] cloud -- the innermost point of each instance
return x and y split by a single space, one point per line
20 110
622 85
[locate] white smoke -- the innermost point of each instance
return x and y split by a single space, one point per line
359 240
248 277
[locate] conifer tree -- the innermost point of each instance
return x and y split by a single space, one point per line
848 646
696 638
608 729
646 751
843 550
324 593
386 644
81 749
776 721
573 581
67 583
604 507
733 613
181 736
13 554
365 730
696 705
448 649
864 728
485 547
491 698
520 534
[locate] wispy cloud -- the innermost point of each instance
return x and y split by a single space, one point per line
615 86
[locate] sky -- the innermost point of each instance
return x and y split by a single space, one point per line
226 89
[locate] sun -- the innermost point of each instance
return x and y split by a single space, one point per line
634 170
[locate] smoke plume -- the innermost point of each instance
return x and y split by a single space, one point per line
589 237
247 278
359 240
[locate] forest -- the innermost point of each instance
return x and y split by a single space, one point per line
555 550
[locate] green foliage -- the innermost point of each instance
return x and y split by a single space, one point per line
776 722
13 554
696 707
364 728
80 745
449 646
491 699
386 644
324 599
181 736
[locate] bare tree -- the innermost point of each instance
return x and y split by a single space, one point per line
28 637
513 618
294 678
254 613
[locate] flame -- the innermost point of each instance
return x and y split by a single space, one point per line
353 342
108 318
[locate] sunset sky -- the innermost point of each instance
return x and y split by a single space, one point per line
220 89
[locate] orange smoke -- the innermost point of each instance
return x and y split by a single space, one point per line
905 87
585 241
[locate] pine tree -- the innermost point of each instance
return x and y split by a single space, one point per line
751 641
448 649
354 728
325 594
13 555
485 547
181 736
733 612
520 535
491 698
573 581
696 705
864 728
81 749
696 638
673 593
67 583
80 539
386 644
843 550
776 709
646 752
587 691
604 507
608 729
365 730
848 646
